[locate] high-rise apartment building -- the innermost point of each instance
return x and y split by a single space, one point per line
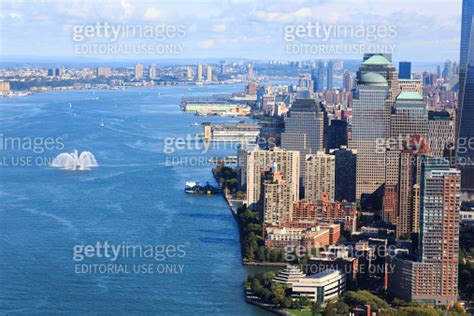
4 86
277 198
409 185
209 73
251 73
189 74
152 72
439 226
103 72
258 161
138 71
440 132
432 277
320 176
199 72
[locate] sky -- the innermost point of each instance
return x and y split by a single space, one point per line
416 30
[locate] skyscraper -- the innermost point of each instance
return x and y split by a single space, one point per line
209 73
314 78
189 73
320 176
138 71
408 122
330 75
347 81
152 72
199 72
448 69
373 97
258 161
409 116
345 175
321 75
251 74
304 130
440 218
277 199
404 70
223 63
440 132
409 184
465 112
306 84
337 134
432 276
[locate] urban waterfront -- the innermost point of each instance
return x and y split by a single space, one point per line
132 197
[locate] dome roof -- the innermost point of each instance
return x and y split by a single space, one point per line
377 60
372 78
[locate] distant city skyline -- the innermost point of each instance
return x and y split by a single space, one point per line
424 30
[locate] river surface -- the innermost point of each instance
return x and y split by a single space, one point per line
49 216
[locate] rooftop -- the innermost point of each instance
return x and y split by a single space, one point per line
377 60
372 78
409 96
322 274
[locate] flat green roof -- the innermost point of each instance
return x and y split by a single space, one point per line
376 60
410 96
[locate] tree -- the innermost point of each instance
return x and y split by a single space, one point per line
261 254
316 308
250 253
278 293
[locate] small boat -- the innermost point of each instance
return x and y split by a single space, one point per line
195 124
102 123
192 187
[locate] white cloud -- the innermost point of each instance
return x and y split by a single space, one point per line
274 16
128 8
154 14
219 28
207 43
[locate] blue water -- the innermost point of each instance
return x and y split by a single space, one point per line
133 197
